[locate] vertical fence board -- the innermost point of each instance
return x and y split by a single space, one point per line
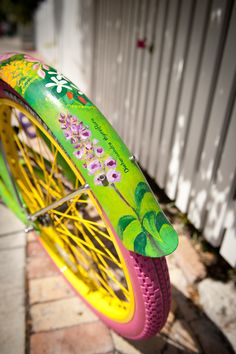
158 42
183 113
131 71
172 97
144 80
221 192
201 104
165 69
138 71
218 122
228 246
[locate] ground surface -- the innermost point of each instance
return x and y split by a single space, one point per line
56 321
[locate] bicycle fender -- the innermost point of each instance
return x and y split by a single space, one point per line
97 151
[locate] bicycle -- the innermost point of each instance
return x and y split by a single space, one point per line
66 174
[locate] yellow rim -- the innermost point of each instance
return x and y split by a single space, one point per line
84 249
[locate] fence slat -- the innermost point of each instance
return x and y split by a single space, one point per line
158 43
199 117
228 246
165 69
143 80
218 124
187 95
172 97
138 70
221 192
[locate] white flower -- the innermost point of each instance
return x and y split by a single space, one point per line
58 83
58 75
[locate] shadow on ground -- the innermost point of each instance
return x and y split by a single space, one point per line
188 330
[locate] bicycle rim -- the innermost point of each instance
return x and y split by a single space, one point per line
78 237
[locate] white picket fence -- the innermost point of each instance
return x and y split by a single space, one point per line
163 72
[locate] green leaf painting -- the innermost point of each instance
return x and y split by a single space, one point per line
151 231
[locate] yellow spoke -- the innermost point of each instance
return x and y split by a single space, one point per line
99 278
50 190
26 195
111 275
51 175
79 241
19 144
82 220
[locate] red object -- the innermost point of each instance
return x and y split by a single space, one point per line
141 43
83 100
70 95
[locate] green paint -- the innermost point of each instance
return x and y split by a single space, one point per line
98 152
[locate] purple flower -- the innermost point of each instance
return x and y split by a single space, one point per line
85 134
110 162
89 146
98 179
94 166
78 146
74 120
85 165
75 128
89 155
113 176
79 153
99 151
73 140
68 134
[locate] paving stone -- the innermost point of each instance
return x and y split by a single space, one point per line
9 223
183 336
210 339
47 289
171 349
122 345
12 300
151 346
31 236
189 261
15 240
60 314
218 301
184 305
34 249
178 280
230 333
39 268
90 338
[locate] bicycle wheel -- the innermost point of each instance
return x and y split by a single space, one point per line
129 292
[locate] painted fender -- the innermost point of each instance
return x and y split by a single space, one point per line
96 150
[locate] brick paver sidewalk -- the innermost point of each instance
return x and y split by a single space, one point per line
59 322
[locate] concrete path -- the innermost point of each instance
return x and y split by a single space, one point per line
12 280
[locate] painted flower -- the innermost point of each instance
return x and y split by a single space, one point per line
85 134
59 84
93 156
68 134
94 166
99 151
99 179
38 65
110 162
79 153
113 176
59 76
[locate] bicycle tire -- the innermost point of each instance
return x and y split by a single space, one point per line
147 277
